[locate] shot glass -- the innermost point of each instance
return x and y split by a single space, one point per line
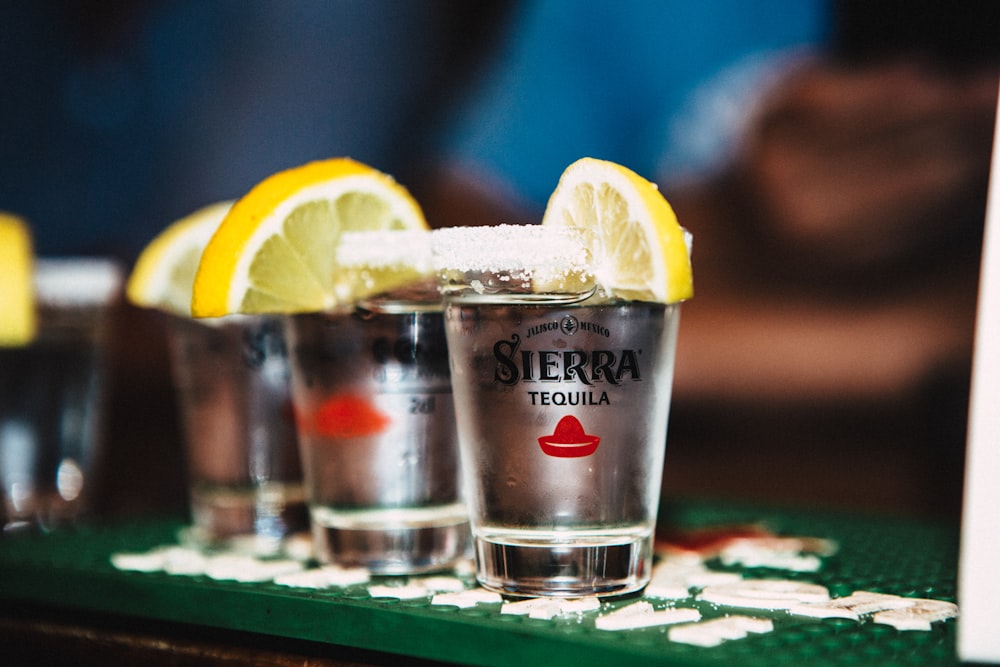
231 375
562 397
377 433
53 395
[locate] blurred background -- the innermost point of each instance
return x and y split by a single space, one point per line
830 157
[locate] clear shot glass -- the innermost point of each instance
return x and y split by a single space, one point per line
231 376
53 395
562 396
376 421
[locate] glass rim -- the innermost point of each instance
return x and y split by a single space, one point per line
526 248
77 280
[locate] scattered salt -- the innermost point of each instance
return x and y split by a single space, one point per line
238 567
717 630
764 593
469 598
784 544
150 561
675 575
708 577
183 560
919 615
230 566
854 606
797 554
466 567
666 589
634 609
442 584
773 560
548 608
642 615
299 546
543 608
579 605
325 577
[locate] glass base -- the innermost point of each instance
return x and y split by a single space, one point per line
393 541
517 565
254 520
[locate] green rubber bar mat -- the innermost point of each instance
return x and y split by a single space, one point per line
72 570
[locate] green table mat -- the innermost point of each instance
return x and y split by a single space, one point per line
72 571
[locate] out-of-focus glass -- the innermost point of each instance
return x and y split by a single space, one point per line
53 395
377 430
245 480
562 396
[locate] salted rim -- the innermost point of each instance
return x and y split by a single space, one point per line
526 249
77 281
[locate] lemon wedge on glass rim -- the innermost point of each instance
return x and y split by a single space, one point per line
17 293
163 275
640 251
276 250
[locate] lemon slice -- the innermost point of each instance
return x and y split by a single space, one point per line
163 276
17 296
641 252
276 251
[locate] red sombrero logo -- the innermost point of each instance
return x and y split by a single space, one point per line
569 440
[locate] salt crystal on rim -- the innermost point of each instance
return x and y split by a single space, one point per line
531 248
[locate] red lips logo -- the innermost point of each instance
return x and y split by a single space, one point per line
569 440
345 416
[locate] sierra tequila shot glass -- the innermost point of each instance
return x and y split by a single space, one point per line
562 397
245 478
376 422
53 395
